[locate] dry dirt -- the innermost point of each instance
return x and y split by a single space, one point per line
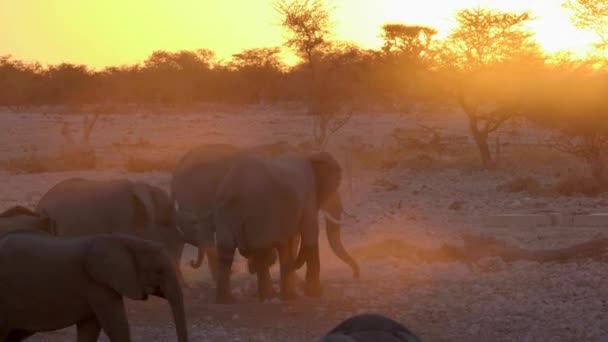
487 301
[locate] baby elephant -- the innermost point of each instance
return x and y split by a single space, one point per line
49 283
370 327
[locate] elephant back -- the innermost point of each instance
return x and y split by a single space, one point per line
84 207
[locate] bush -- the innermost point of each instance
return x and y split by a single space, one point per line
66 161
581 186
522 184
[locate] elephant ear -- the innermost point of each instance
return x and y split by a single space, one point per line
328 175
112 263
142 195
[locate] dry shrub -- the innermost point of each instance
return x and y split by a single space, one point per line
421 162
581 186
522 184
66 161
137 164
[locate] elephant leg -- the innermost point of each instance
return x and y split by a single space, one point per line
260 264
265 290
178 266
212 261
111 315
88 330
223 289
312 287
286 260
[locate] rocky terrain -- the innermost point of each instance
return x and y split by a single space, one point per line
391 199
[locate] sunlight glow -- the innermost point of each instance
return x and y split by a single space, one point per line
114 32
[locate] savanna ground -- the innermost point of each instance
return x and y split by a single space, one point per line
395 196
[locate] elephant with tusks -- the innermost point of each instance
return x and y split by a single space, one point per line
194 187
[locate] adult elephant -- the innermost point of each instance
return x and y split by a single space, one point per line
80 207
265 203
370 327
194 185
51 283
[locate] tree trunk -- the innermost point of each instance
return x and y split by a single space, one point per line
481 140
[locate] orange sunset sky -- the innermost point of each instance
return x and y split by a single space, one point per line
112 32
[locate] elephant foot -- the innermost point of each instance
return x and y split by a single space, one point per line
313 290
267 293
225 299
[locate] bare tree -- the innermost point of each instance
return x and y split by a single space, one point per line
309 25
487 48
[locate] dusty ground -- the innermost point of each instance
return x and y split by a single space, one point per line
488 301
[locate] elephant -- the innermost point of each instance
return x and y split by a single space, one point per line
49 283
194 185
19 217
368 327
80 206
265 203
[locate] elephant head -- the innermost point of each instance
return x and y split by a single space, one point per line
328 175
198 231
136 268
157 219
370 327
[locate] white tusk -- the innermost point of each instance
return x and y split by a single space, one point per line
180 231
331 219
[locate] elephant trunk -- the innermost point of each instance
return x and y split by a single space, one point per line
173 293
334 211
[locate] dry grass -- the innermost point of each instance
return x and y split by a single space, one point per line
66 161
138 164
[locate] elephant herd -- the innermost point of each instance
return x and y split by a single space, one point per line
89 243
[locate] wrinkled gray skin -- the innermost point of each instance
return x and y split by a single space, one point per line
49 283
81 207
19 217
370 328
265 203
194 186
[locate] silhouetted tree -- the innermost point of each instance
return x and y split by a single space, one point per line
260 69
486 50
413 42
406 55
571 99
309 24
591 15
69 84
19 83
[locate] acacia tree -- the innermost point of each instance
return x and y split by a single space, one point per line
486 50
406 53
591 15
573 103
260 68
309 26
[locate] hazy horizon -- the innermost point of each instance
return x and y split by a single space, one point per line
115 33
